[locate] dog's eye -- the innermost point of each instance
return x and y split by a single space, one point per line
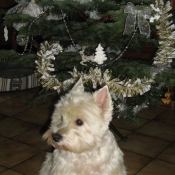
61 118
79 122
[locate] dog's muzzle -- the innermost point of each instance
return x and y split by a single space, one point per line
57 137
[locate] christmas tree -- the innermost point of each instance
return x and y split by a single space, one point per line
87 39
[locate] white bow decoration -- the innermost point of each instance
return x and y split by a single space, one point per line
141 16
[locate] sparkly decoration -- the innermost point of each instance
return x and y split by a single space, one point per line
63 18
21 40
17 26
71 48
93 14
45 67
125 88
166 32
25 7
84 57
19 7
80 1
5 33
122 107
32 9
91 58
167 98
53 17
138 108
100 56
141 15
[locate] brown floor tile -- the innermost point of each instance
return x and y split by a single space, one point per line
123 124
14 94
48 105
26 98
33 138
2 116
9 94
2 99
168 154
11 127
35 115
167 117
158 167
14 152
31 166
25 150
123 132
134 162
27 95
10 172
144 145
2 168
159 130
11 107
2 138
150 112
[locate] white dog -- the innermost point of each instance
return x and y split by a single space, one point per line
80 133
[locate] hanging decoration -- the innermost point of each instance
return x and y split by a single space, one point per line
25 7
93 14
85 58
123 88
100 56
166 32
81 1
129 87
45 66
19 7
141 16
6 33
167 98
21 40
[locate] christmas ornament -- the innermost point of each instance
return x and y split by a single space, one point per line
166 32
84 57
90 58
19 7
80 1
32 9
93 14
167 98
100 56
21 40
122 88
141 16
5 33
71 48
26 7
45 67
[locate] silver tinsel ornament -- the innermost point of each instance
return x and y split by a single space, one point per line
21 40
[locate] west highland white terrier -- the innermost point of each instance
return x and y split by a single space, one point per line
80 133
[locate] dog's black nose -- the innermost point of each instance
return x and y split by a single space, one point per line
56 137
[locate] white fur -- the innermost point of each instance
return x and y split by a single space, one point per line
89 149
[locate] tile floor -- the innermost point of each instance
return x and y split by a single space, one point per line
149 150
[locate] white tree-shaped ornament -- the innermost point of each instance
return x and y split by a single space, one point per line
100 56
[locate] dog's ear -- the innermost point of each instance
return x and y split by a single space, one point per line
103 98
78 87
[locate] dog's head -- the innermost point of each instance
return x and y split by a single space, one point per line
80 119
